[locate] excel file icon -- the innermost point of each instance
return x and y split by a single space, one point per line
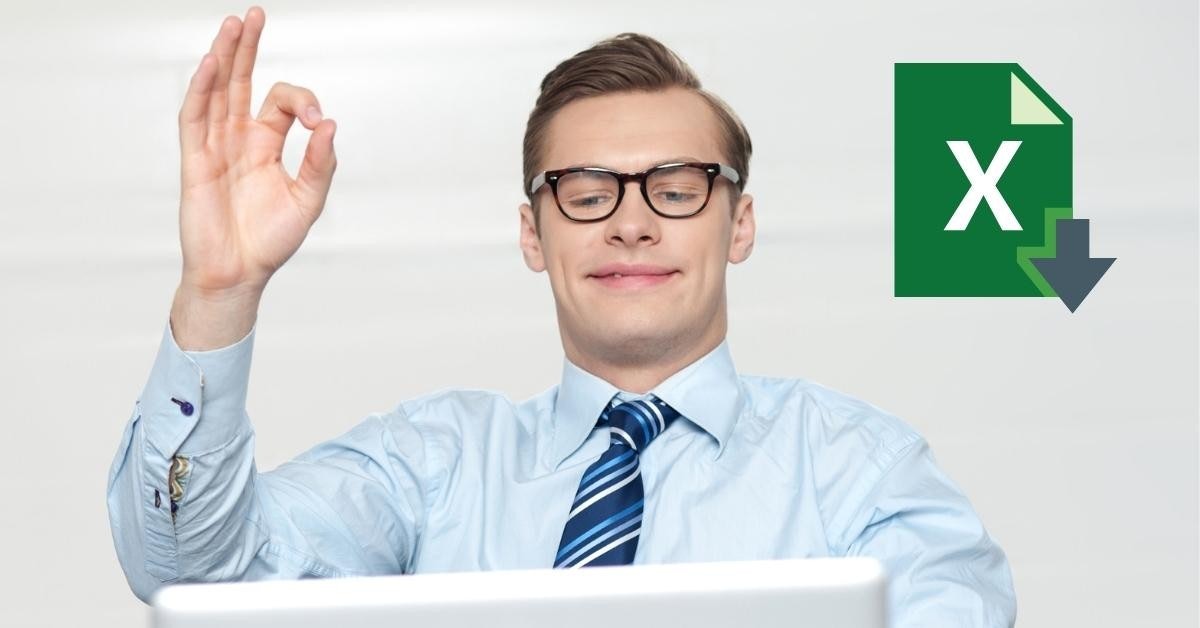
983 186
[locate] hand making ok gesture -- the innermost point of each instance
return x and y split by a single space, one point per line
241 214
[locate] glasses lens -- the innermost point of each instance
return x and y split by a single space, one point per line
586 195
679 190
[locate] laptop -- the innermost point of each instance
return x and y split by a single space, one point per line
822 592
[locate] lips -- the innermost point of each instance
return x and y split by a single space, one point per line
626 276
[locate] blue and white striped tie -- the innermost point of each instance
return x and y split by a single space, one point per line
606 516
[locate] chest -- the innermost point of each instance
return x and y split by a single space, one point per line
747 503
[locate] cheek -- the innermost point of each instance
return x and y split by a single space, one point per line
712 274
555 268
708 248
564 257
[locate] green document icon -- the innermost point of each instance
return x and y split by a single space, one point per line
983 187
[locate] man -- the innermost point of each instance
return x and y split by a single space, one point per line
651 449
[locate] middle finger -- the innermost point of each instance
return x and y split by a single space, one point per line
243 63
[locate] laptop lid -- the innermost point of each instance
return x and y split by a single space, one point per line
844 592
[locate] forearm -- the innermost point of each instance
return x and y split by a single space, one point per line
343 508
185 469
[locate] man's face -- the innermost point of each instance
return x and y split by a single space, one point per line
668 301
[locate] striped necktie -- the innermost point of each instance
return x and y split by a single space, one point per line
606 516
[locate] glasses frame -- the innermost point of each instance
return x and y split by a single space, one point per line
552 177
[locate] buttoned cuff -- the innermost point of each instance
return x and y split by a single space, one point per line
187 385
182 388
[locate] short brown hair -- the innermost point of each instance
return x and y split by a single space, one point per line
628 62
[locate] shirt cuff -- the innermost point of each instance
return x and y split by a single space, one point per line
186 385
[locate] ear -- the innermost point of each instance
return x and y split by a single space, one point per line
531 242
741 241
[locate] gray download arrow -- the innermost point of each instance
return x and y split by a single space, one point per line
1071 272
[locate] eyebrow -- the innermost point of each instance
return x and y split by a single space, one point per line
671 160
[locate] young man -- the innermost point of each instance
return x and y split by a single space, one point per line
651 448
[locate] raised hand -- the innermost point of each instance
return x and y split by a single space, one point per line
241 215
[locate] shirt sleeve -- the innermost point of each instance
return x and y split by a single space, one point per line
187 504
943 567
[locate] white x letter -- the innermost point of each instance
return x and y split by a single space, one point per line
983 185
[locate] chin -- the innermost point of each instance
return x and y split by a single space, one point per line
637 343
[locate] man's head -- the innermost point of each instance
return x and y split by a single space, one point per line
638 292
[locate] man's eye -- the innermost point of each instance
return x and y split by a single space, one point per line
676 196
592 201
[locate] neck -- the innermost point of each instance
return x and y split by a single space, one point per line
639 372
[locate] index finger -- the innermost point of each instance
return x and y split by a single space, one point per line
243 62
193 115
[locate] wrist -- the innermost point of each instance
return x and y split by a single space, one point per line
202 320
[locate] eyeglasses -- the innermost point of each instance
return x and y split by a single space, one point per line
676 190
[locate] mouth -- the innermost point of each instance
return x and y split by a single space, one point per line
631 277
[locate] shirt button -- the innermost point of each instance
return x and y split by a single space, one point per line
185 407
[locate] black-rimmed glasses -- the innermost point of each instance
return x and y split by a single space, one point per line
675 190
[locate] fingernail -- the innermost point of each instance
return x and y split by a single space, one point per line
313 114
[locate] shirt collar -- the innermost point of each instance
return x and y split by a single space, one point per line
706 392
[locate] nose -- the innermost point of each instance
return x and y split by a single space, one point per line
634 223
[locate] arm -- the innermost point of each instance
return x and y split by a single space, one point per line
943 568
241 218
187 504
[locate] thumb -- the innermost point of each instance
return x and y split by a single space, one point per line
316 171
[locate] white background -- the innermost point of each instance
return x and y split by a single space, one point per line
1075 435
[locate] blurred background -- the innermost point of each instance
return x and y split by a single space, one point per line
1075 435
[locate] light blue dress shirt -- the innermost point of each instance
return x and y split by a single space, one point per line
461 480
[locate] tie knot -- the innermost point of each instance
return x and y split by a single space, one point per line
636 423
